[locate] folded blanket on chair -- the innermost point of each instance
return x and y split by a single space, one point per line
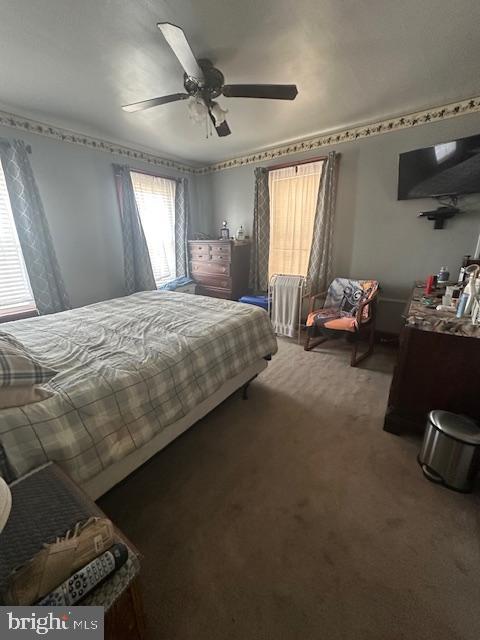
341 305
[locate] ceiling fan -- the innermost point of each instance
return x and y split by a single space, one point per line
203 82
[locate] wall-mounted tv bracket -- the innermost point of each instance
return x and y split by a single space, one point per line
442 213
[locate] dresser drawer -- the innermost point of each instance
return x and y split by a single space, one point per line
220 249
202 247
211 267
224 258
213 292
200 255
213 281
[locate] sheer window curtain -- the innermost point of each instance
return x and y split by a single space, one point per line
293 198
32 229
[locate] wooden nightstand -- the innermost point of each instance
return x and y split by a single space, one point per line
45 504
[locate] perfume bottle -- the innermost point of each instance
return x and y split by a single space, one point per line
224 231
240 233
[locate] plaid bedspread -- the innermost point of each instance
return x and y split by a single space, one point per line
127 368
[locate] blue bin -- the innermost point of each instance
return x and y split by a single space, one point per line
258 301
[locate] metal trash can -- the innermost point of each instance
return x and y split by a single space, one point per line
450 449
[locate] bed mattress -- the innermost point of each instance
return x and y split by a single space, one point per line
127 368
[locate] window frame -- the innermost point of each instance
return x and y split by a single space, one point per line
162 177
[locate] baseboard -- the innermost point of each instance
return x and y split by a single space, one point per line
387 337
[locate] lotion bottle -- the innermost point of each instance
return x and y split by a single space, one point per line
468 296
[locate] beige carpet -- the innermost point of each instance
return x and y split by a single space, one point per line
294 516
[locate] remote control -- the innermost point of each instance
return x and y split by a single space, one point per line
84 580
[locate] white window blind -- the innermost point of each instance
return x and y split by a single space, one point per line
155 198
15 292
293 201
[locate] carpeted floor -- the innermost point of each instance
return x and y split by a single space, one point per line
294 516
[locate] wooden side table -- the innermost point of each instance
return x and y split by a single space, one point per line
45 504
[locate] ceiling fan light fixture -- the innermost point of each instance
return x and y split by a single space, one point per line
197 110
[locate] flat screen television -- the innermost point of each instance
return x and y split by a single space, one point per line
446 169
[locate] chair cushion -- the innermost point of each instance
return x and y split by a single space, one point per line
332 319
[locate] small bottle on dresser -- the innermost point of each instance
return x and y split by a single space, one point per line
443 276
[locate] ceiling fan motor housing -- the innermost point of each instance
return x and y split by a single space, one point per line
210 87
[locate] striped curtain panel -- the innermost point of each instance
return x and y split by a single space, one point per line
181 227
32 229
136 259
259 255
319 274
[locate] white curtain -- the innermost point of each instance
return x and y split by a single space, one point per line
155 198
293 200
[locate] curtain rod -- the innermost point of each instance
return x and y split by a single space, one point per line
155 175
285 165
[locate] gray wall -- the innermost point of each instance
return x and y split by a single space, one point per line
78 192
375 235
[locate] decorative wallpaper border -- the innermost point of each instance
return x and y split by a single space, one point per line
66 135
471 105
435 114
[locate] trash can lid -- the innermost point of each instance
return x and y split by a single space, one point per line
458 427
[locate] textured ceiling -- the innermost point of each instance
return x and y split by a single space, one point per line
74 62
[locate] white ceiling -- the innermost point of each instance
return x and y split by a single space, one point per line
74 62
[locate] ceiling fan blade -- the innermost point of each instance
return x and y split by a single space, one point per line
222 129
270 91
180 47
154 102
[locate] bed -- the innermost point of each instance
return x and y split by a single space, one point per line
133 373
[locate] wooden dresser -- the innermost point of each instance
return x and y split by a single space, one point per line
438 367
220 267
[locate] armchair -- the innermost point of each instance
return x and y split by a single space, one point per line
349 309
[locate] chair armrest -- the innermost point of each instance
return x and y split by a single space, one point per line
371 301
311 305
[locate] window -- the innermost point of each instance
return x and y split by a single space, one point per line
155 198
15 292
293 201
